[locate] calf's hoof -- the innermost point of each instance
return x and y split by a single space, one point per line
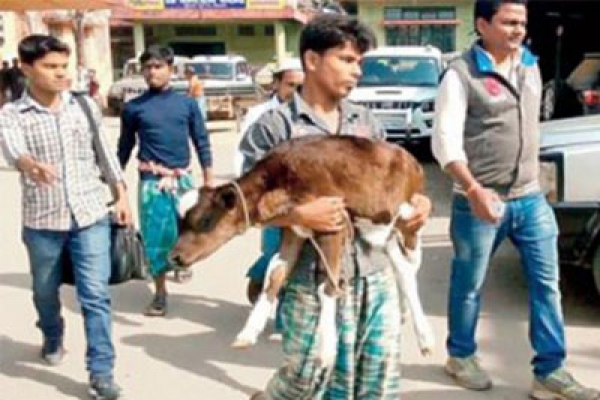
427 342
242 344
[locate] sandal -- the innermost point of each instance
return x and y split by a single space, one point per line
158 306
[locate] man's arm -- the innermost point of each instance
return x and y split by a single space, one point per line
201 142
13 140
267 132
447 144
127 138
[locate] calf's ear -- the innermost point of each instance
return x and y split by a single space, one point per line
227 198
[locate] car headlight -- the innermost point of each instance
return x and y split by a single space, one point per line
428 106
549 180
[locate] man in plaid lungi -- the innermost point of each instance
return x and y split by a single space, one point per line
368 321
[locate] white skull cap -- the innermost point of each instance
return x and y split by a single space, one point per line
289 64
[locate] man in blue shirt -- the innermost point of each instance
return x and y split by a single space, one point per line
164 121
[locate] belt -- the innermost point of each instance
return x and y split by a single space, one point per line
168 177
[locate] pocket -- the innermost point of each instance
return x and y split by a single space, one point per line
460 204
83 141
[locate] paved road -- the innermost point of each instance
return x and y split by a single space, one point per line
186 356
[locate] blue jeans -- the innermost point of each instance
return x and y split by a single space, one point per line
89 249
530 224
271 241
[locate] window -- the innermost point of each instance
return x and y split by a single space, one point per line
419 13
54 30
213 69
196 30
419 26
440 36
269 30
399 71
246 30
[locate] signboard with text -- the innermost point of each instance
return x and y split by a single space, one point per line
265 4
147 4
205 4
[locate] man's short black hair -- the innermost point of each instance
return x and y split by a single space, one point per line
35 47
157 52
328 31
486 9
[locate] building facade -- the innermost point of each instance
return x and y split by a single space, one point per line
268 30
260 30
93 52
446 24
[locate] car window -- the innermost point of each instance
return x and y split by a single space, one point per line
399 71
213 70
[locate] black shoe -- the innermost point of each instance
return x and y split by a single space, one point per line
53 351
104 388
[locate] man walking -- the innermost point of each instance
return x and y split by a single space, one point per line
368 359
162 121
288 77
486 136
48 137
196 90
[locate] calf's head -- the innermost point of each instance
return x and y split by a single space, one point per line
210 217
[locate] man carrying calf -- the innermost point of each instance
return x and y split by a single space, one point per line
368 360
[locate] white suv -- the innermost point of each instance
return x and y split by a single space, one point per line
399 85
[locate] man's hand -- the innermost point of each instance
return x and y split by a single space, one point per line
422 206
122 212
208 178
325 214
39 172
482 202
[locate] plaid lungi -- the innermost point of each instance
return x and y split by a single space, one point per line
368 360
158 220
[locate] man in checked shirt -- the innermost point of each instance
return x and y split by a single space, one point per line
47 137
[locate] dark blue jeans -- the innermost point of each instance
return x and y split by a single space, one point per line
530 224
89 249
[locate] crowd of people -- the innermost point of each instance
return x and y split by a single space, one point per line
491 94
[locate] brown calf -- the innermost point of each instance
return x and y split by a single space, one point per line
374 178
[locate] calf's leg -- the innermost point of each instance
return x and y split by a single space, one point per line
407 266
277 272
332 247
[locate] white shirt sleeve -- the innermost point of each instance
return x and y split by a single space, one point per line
253 114
447 141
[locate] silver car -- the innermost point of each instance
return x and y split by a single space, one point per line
570 178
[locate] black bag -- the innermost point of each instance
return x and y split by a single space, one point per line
127 257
